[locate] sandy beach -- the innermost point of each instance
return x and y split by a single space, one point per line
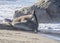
18 36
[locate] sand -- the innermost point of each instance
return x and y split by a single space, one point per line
10 36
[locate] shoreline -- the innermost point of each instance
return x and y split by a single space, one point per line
18 36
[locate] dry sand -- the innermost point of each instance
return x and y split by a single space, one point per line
10 36
15 36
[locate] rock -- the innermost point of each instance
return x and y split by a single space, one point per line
25 20
7 21
43 11
52 7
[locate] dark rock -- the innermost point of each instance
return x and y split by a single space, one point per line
30 23
52 9
7 20
44 11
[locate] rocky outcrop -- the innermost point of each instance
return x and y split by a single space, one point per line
25 19
47 11
52 8
44 11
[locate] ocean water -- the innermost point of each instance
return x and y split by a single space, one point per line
54 33
8 7
53 26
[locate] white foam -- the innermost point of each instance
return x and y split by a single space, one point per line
7 8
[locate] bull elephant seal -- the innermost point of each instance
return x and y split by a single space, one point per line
26 22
